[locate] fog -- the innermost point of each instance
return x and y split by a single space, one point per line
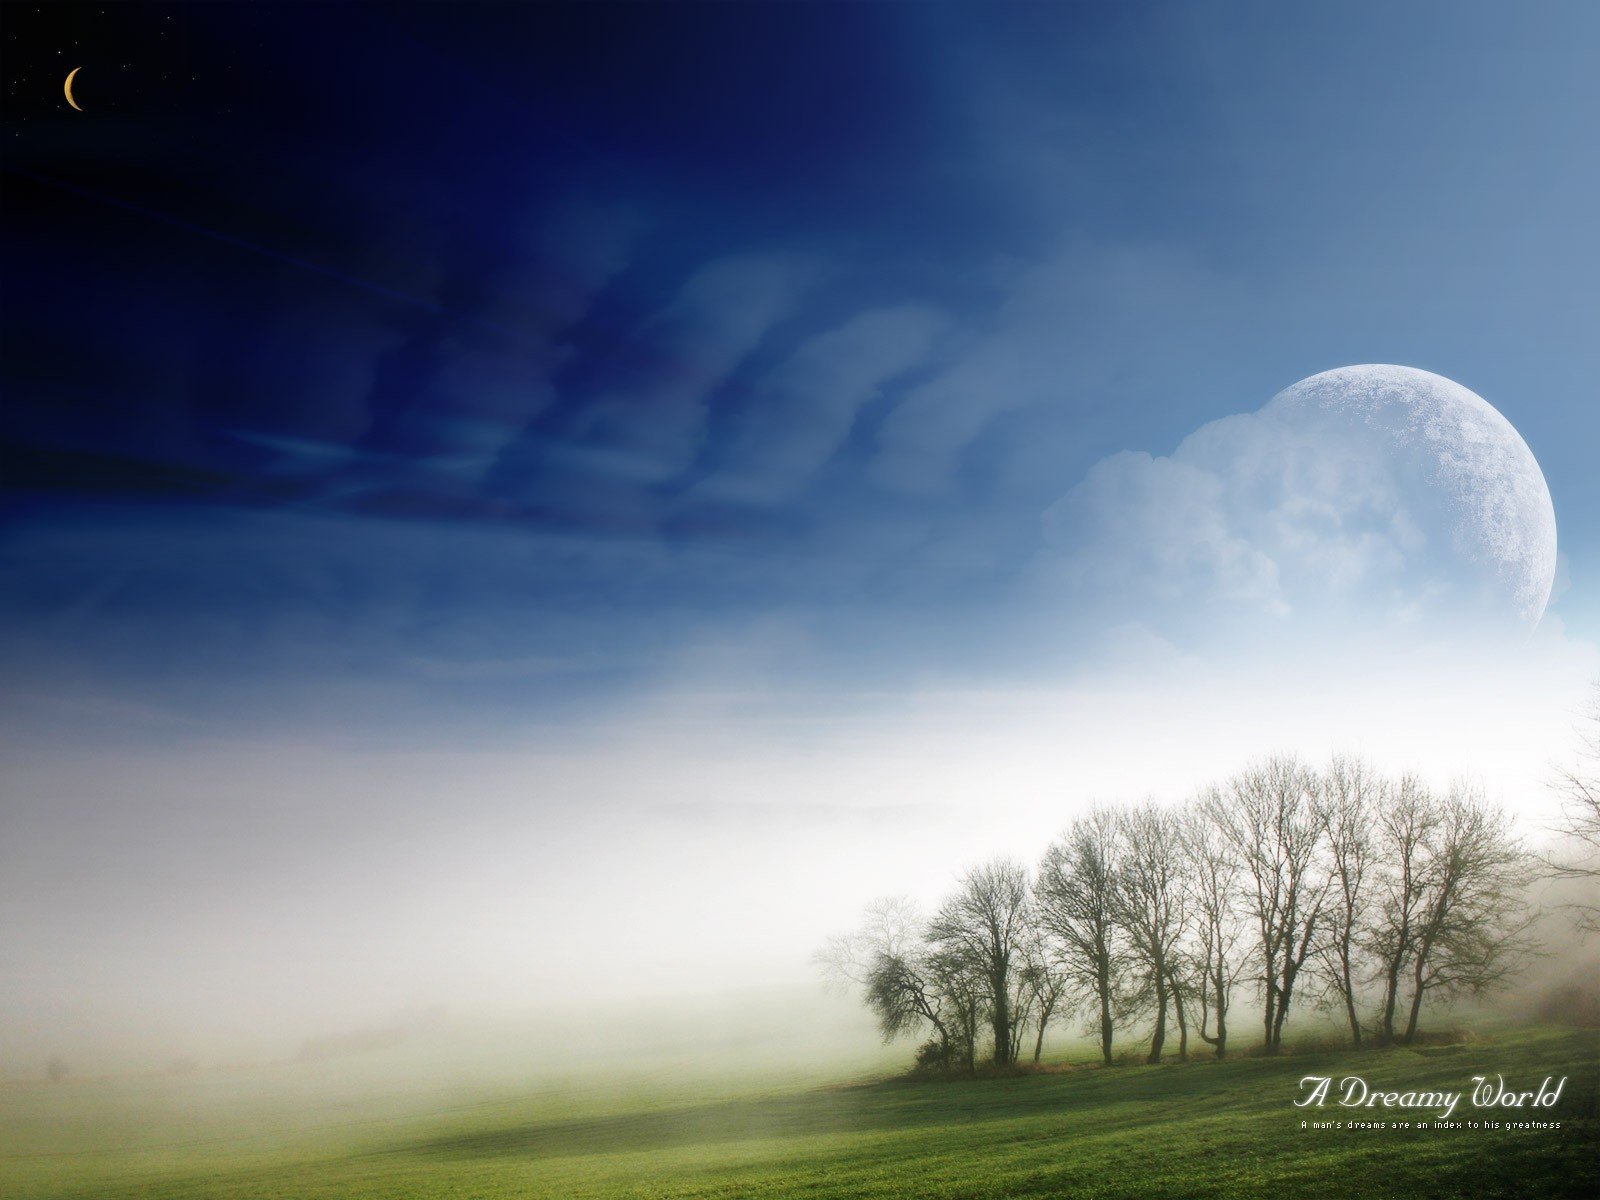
213 902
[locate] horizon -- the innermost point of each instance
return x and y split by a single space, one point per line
707 468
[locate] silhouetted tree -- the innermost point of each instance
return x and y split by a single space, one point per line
1578 785
1350 794
1047 981
1471 929
1381 887
902 992
1271 814
1077 903
1150 904
1212 875
1404 830
981 928
888 958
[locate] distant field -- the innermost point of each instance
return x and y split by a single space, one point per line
1182 1130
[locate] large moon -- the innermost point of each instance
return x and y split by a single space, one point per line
1472 491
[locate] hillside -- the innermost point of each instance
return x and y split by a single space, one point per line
1202 1129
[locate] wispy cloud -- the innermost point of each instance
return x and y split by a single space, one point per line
718 317
1069 336
801 412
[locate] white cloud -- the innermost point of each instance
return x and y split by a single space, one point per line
1258 518
1161 527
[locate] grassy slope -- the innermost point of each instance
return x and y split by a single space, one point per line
1190 1130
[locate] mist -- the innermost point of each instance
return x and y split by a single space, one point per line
223 900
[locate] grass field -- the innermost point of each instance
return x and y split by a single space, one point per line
1180 1130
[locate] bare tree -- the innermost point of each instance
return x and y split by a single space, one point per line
1579 826
1077 901
1213 876
1351 793
1047 979
984 924
890 926
1150 904
959 981
903 992
1404 829
1183 987
1472 923
1024 1000
1271 814
904 985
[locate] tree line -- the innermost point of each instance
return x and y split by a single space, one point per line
1281 888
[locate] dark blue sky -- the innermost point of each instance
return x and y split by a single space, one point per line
468 352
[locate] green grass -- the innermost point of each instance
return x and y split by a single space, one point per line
1202 1129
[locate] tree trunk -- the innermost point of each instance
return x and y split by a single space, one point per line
1391 996
1105 1017
1350 998
1280 1016
1391 975
1220 1041
1222 1016
1044 1019
1002 1025
944 1037
1183 1023
1268 1045
1019 1025
1160 1034
1416 1004
1291 973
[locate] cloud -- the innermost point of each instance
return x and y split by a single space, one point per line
580 248
480 398
803 410
696 341
1257 522
1069 334
1161 527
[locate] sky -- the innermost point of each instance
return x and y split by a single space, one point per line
455 452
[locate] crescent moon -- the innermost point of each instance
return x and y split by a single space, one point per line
67 87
